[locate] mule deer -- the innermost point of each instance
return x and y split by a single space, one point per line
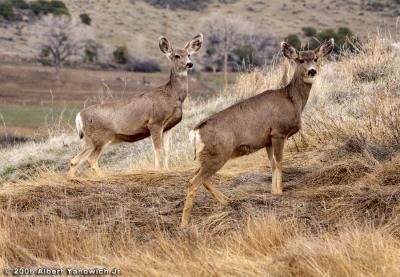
265 120
145 114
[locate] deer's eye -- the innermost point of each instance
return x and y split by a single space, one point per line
316 60
177 56
301 61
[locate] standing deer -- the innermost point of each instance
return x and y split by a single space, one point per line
265 120
145 114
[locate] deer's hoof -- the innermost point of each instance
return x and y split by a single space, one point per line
277 193
70 176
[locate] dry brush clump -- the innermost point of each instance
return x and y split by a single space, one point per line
358 98
355 99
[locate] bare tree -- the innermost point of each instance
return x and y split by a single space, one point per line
223 33
61 39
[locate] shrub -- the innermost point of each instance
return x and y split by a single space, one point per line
245 54
91 53
40 7
194 5
180 4
344 31
20 4
294 41
43 7
309 31
121 55
85 18
58 8
137 65
8 171
7 11
344 39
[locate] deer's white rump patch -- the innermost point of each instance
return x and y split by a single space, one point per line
197 143
79 125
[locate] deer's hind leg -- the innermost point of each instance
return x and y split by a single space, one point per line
194 185
93 159
77 161
214 193
102 139
202 177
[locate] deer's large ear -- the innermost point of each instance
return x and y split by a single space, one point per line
289 51
195 44
165 46
325 48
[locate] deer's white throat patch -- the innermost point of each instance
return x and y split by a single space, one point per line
182 74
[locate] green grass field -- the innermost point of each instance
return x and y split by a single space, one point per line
36 116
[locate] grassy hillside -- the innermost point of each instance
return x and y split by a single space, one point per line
338 215
139 24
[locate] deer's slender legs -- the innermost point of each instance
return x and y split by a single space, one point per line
166 138
93 159
214 193
77 161
194 185
202 177
156 137
270 152
278 144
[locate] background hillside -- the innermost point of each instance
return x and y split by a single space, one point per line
138 24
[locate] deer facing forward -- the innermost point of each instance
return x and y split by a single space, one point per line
266 120
145 114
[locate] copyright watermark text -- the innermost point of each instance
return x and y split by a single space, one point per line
61 272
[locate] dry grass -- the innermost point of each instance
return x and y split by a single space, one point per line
322 226
338 215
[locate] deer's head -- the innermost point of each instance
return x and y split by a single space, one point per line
308 62
180 57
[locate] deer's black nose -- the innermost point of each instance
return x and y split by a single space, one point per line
189 65
312 72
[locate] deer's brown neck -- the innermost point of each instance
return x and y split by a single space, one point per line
298 91
179 85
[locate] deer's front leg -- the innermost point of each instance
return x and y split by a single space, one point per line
156 133
166 137
271 158
278 144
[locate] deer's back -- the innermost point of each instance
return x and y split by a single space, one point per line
248 125
129 119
